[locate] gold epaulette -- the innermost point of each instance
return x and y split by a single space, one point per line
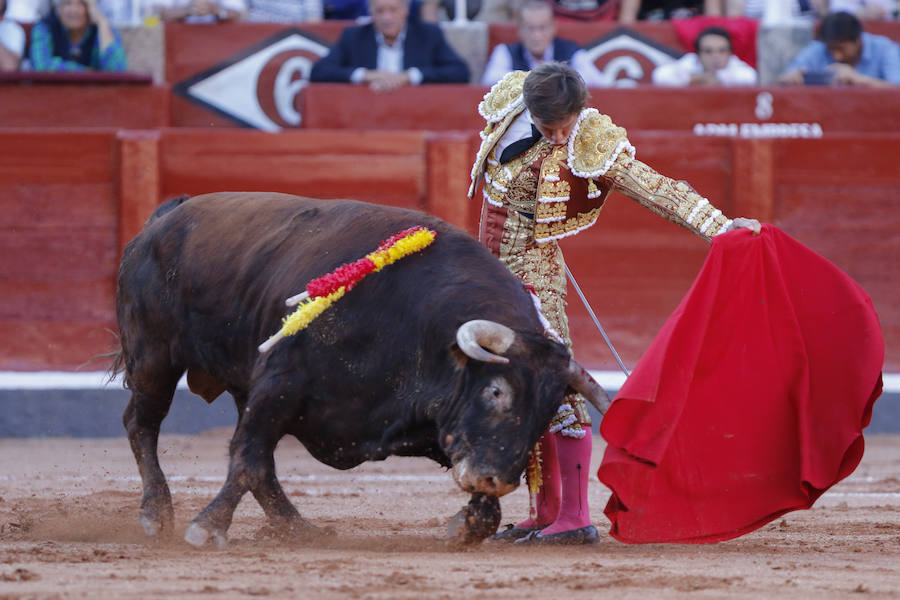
505 96
499 107
595 144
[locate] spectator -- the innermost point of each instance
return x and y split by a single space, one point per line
27 11
391 51
358 10
200 11
874 10
76 36
12 42
538 44
447 8
120 12
755 9
285 11
345 10
660 10
505 11
712 64
586 10
844 54
500 11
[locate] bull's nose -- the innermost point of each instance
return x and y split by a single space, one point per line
471 481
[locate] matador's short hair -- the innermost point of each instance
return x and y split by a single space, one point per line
554 91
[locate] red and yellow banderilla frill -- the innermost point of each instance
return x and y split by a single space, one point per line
324 291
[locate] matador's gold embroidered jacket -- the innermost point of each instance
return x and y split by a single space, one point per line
550 192
574 180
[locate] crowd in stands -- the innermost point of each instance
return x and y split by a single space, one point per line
398 42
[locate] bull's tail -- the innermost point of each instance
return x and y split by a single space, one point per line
117 366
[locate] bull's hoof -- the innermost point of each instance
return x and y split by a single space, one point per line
197 535
152 527
476 521
155 522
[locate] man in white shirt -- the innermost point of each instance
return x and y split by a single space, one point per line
12 42
538 44
713 64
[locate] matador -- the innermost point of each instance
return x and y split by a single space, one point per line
537 192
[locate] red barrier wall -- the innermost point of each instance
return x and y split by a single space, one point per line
70 198
82 99
59 246
790 111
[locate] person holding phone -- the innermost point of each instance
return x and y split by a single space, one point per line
844 54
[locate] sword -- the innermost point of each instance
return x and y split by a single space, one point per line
596 320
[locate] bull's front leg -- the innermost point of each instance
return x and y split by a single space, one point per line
251 468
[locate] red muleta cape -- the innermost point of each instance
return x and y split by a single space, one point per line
751 400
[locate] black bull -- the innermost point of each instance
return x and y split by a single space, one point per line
440 354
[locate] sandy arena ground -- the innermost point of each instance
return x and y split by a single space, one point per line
69 529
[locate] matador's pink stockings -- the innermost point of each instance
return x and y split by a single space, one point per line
545 506
574 457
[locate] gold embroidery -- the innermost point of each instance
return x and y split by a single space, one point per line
550 186
500 106
513 184
674 200
504 95
596 143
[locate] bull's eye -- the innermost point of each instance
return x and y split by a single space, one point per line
498 394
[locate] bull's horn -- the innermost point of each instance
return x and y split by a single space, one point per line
477 337
582 382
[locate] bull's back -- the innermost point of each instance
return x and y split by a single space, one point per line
208 278
218 267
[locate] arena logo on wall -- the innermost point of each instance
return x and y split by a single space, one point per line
627 58
259 87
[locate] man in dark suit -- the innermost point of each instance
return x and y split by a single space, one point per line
538 44
391 51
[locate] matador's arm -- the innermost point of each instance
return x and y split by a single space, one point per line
674 200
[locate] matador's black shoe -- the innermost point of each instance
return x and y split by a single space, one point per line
513 533
583 536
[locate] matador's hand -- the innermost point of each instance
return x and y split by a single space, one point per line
743 223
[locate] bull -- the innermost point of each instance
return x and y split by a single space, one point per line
440 355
